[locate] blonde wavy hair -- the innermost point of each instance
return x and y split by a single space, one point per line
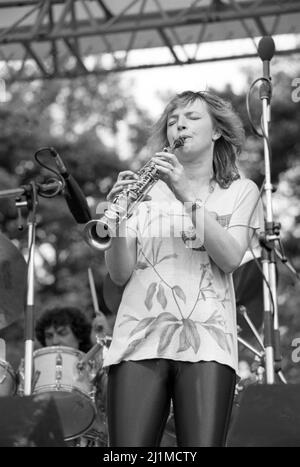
224 118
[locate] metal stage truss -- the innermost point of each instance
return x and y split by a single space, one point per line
43 39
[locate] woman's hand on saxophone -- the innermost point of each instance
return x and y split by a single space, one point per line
172 172
124 180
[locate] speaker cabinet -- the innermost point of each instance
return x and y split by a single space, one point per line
269 415
29 421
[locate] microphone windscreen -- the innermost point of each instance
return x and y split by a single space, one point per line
76 201
266 48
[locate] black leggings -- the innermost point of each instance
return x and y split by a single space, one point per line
139 395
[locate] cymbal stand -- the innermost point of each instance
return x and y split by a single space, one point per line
259 355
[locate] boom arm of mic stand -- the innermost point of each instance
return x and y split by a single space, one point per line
27 189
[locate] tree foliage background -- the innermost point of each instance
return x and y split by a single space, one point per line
81 119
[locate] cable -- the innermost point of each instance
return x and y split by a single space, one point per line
38 154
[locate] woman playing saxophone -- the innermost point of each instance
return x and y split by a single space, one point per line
175 336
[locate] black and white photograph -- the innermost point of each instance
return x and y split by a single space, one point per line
149 226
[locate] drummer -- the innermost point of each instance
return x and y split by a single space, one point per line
65 326
68 326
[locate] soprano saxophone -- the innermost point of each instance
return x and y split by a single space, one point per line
99 232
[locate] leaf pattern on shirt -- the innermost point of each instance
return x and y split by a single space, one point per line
161 297
220 337
225 299
189 336
176 290
179 292
150 294
166 324
141 265
166 337
150 326
215 325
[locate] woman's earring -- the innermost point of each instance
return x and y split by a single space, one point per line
216 136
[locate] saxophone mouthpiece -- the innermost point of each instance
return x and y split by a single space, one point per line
178 142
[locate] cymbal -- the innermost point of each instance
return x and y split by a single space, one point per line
13 278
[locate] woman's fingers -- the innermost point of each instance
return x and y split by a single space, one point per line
126 174
118 187
167 156
162 163
164 167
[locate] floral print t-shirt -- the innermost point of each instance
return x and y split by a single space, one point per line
178 304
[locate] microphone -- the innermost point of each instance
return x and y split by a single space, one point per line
73 194
266 50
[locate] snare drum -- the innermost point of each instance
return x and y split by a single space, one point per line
57 371
8 379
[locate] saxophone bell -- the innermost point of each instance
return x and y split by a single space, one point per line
97 234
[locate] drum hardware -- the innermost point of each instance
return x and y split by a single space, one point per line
21 378
90 355
259 356
35 379
250 309
58 370
3 378
92 373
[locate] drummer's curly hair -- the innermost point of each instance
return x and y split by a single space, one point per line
63 316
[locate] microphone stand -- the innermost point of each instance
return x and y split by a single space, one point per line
31 202
271 234
29 313
266 49
271 328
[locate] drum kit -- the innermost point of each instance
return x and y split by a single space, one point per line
59 371
69 376
62 373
